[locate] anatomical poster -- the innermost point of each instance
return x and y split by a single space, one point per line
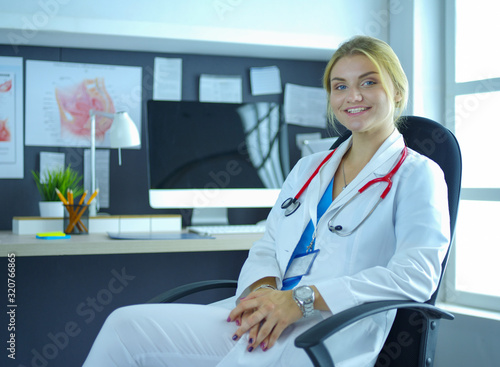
7 116
11 117
59 97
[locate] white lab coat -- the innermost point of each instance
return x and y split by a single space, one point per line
395 254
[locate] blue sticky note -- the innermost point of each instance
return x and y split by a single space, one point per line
52 236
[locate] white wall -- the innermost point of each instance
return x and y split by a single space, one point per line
416 34
401 36
294 29
469 340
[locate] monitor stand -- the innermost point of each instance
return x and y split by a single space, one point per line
209 217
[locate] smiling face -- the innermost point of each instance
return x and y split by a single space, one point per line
358 97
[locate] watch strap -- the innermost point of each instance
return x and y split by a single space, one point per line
305 305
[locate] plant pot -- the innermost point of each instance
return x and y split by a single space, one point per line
51 209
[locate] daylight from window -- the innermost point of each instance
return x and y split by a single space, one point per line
477 28
477 128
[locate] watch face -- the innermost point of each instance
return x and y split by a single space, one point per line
304 292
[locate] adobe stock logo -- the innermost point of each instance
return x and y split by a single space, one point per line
31 25
222 7
428 145
218 180
60 340
403 340
381 18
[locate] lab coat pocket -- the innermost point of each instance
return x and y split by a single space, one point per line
288 234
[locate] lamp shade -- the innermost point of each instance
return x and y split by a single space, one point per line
123 132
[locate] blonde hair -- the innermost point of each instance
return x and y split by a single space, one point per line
384 58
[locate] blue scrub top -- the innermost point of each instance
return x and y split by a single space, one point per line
306 238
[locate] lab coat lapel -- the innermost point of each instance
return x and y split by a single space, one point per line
296 223
318 186
378 166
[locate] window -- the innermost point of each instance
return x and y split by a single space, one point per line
473 97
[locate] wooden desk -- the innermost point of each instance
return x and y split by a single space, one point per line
76 292
100 244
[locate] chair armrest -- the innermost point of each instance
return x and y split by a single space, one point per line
187 289
312 339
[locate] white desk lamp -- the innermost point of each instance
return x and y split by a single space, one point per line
122 134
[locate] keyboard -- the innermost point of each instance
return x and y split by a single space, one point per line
227 229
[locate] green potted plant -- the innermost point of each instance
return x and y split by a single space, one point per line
62 179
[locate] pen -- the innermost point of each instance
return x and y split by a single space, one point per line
70 203
61 197
92 197
70 197
82 198
69 208
71 225
80 223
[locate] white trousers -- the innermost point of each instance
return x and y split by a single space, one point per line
159 335
166 335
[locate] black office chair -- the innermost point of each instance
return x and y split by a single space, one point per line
413 336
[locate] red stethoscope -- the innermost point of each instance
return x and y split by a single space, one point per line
290 205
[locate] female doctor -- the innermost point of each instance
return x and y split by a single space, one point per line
327 247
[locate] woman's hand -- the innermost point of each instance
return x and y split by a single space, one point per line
264 314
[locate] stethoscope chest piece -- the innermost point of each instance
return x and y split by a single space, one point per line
290 205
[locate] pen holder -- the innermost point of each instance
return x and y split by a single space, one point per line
76 219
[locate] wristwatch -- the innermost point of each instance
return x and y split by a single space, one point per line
304 296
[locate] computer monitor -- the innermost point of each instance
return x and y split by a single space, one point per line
215 155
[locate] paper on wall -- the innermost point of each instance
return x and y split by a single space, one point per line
265 80
61 94
101 175
11 117
305 106
167 85
50 161
221 88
